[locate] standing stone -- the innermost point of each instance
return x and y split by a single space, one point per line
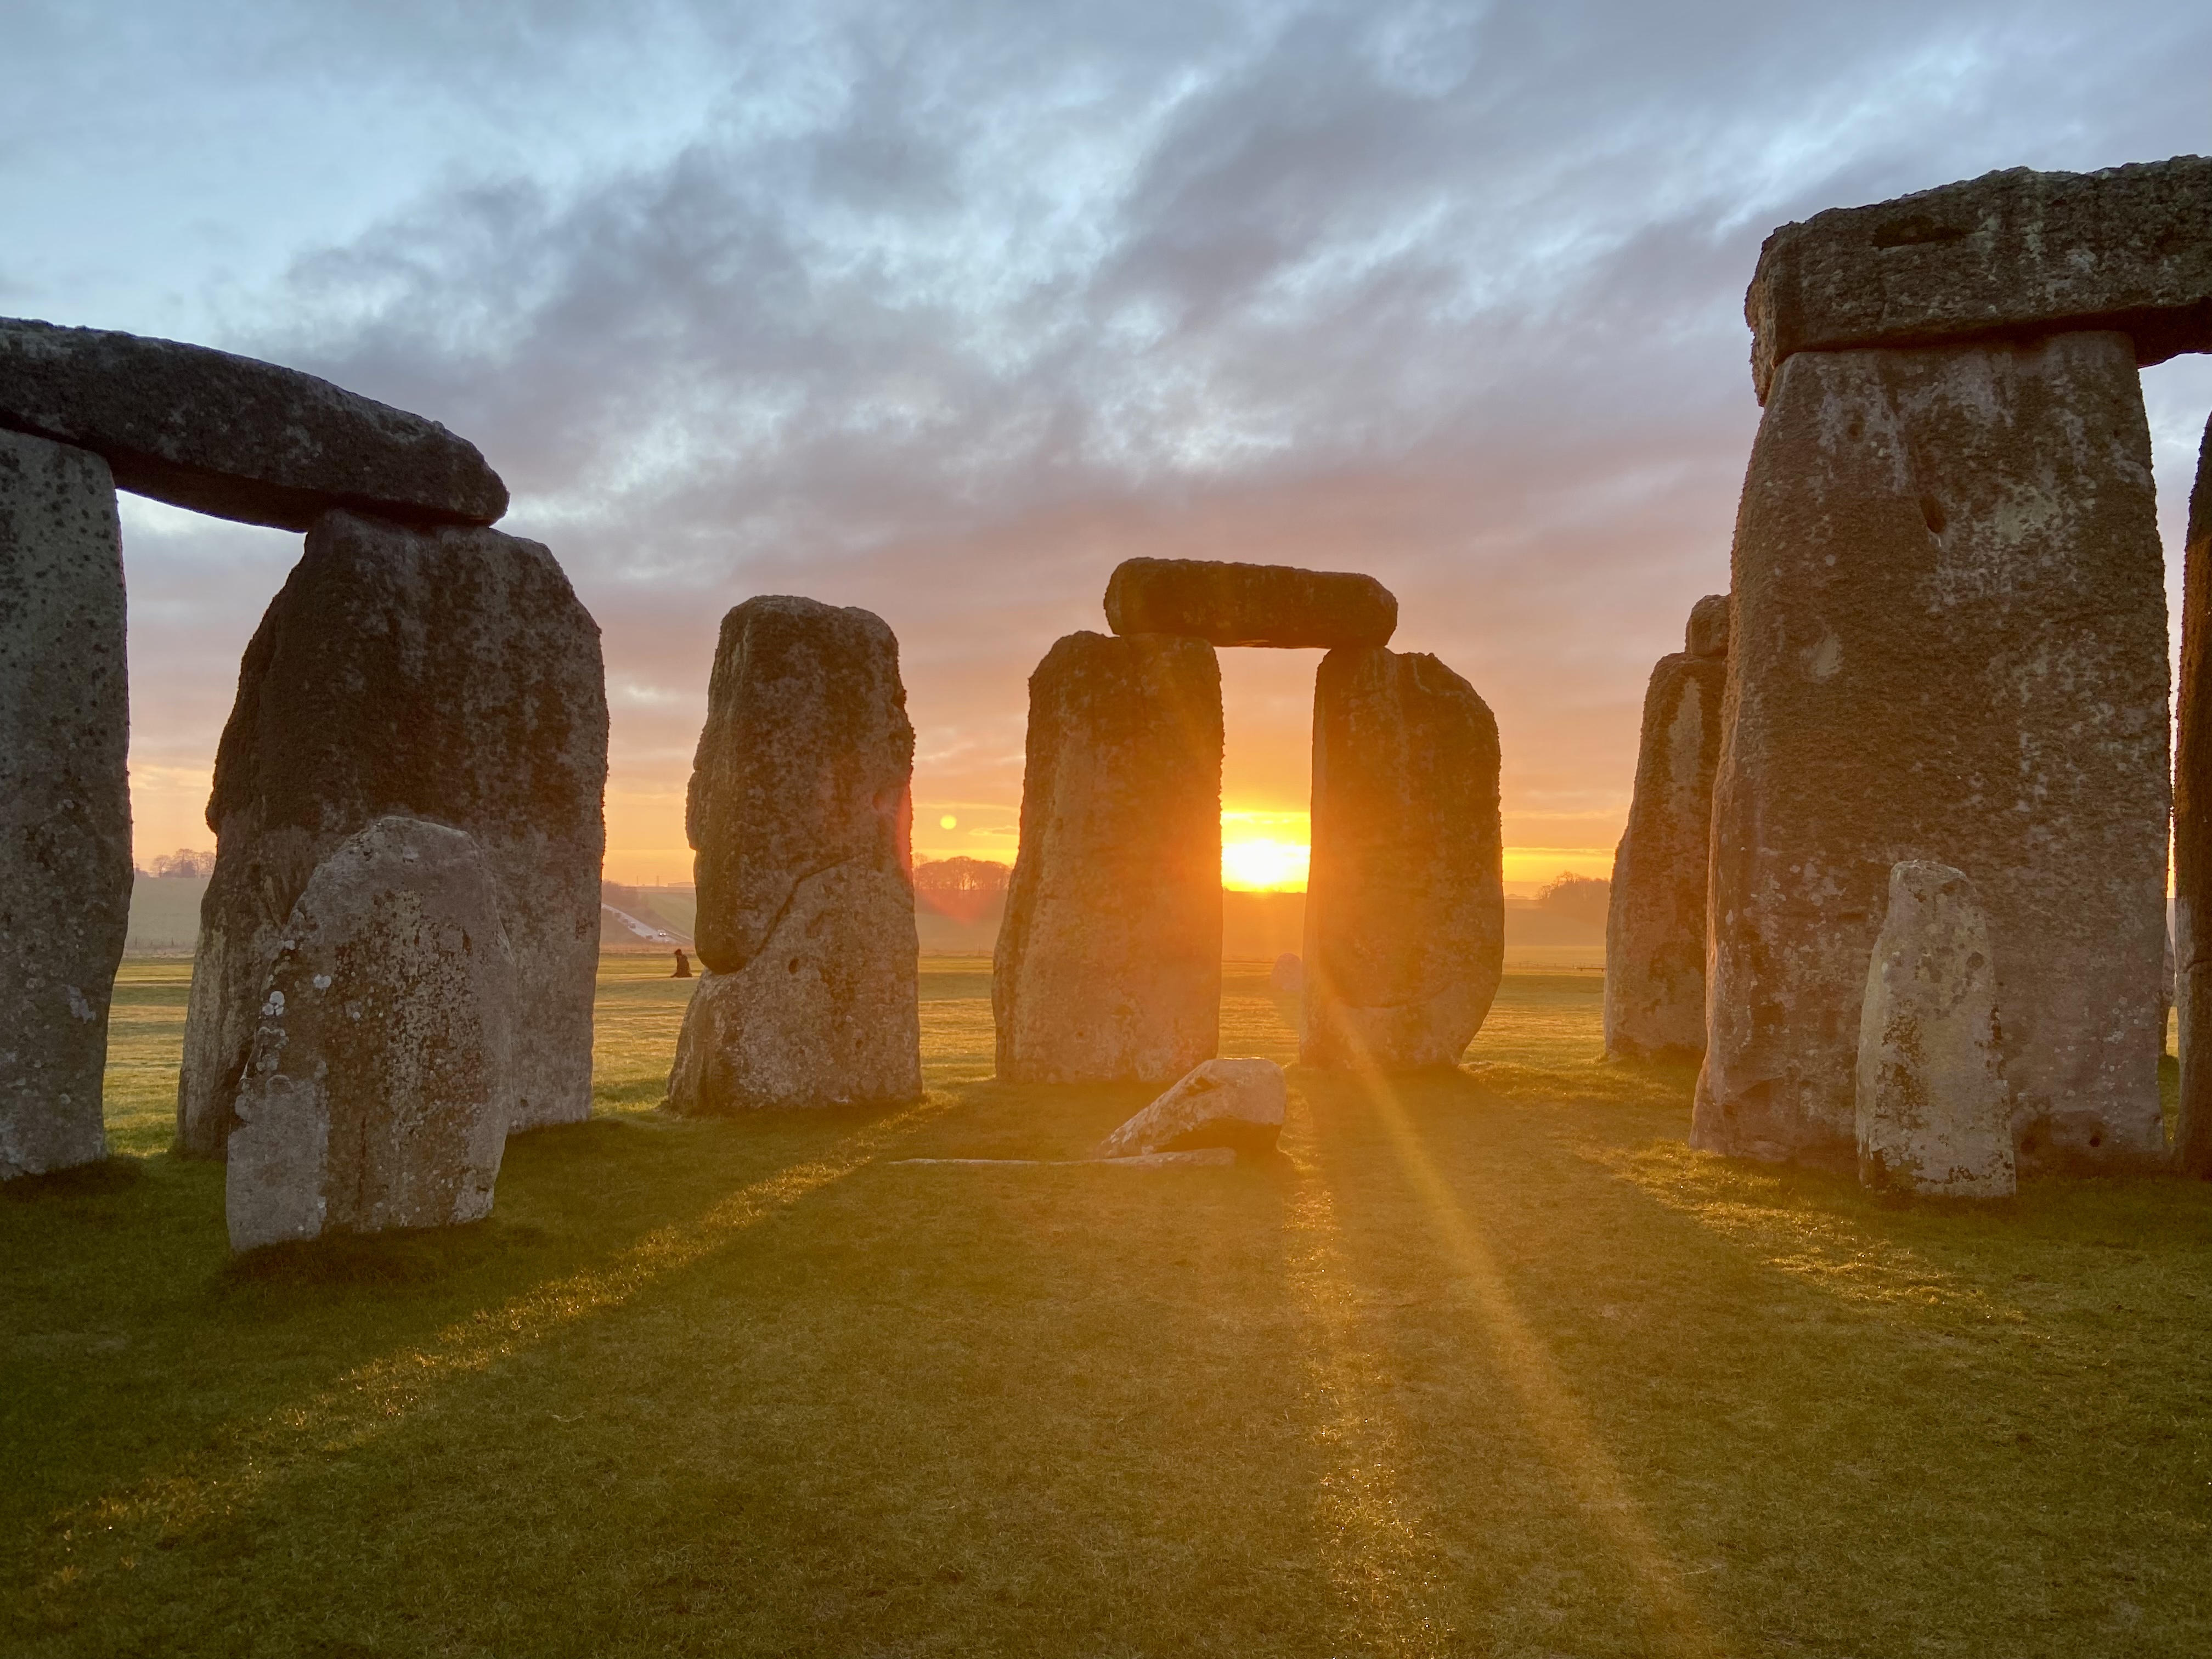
1932 1114
64 799
382 1071
800 810
1654 927
234 436
2192 833
443 674
1264 604
1405 900
1949 643
1108 963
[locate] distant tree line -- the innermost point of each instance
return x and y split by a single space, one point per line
961 875
1579 898
182 862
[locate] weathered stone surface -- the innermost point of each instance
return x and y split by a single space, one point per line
801 812
1654 927
1932 1113
1707 632
64 799
1271 605
382 1072
233 436
2017 253
449 675
1406 897
1108 963
2192 833
1288 976
1948 644
1236 1103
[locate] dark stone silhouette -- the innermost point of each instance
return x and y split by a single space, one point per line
64 799
1109 962
444 674
382 1074
2192 833
235 437
800 809
1949 644
2013 255
1405 898
1266 605
1654 933
683 967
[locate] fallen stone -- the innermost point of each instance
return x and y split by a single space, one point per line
1109 962
64 799
2192 833
1211 1157
2015 254
1264 604
446 674
1932 1113
1405 900
1949 645
381 1077
1288 976
799 811
1236 1103
1655 929
233 436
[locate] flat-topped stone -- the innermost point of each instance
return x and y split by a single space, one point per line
2016 253
233 436
1266 605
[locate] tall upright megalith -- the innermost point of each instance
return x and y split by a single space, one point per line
799 811
1108 963
2192 833
1933 1116
1655 926
64 799
1406 899
448 674
1948 644
382 1071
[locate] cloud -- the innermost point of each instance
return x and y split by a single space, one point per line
945 309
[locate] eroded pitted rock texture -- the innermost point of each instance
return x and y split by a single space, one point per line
382 1071
1948 645
1108 963
2015 254
1932 1113
1268 604
234 436
1236 1103
1655 930
64 799
449 675
1406 899
2192 833
799 812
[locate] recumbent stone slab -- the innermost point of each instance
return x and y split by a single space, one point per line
1655 929
801 812
234 436
64 799
1263 604
1108 961
382 1072
1404 933
445 674
1948 645
2016 253
1236 1103
2192 833
1932 1113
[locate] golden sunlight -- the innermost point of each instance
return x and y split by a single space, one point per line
1264 851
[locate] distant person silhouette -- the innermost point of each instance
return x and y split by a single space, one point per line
682 966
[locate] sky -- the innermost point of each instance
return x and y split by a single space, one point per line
944 309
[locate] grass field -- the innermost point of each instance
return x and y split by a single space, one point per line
1486 1363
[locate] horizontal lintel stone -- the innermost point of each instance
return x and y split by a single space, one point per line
1264 604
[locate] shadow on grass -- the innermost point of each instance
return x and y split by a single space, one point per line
109 1176
411 1257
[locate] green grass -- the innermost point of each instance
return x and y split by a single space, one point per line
1485 1363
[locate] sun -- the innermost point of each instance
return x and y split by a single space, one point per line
1264 851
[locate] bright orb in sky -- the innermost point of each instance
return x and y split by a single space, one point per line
948 821
1263 865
